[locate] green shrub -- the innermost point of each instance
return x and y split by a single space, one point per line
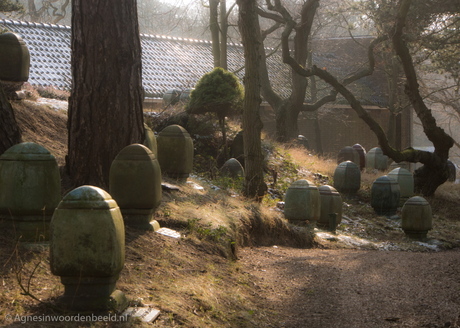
218 91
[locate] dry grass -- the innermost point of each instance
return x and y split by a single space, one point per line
314 164
41 124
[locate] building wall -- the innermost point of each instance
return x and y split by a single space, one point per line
340 127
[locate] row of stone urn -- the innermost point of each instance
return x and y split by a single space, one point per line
30 183
374 159
388 192
86 228
308 205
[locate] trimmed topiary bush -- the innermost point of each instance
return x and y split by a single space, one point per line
219 92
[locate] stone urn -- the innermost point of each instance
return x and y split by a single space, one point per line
347 178
88 250
30 190
232 169
376 160
175 152
135 184
14 62
302 205
405 180
385 194
331 203
416 218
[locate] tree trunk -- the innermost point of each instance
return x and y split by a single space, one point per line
223 34
314 99
105 109
434 172
254 185
287 111
224 135
214 27
292 117
10 134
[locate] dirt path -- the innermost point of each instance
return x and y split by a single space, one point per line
355 288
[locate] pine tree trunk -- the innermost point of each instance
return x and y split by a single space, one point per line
10 133
254 185
105 109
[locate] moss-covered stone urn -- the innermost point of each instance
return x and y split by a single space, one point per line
30 190
302 205
135 184
87 249
347 178
175 152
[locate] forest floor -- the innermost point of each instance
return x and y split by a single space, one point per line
240 264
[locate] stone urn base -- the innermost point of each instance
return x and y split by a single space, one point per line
416 234
92 294
140 219
30 228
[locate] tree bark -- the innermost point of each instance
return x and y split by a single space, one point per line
314 99
223 34
10 134
214 27
254 185
105 108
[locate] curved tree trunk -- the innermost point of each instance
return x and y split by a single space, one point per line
254 185
105 109
10 134
435 171
287 111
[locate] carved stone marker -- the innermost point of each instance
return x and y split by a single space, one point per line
405 180
302 205
362 155
232 169
347 178
135 184
331 203
348 154
385 194
30 190
375 160
88 250
416 218
14 62
175 152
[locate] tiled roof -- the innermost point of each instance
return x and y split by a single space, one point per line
167 63
49 47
